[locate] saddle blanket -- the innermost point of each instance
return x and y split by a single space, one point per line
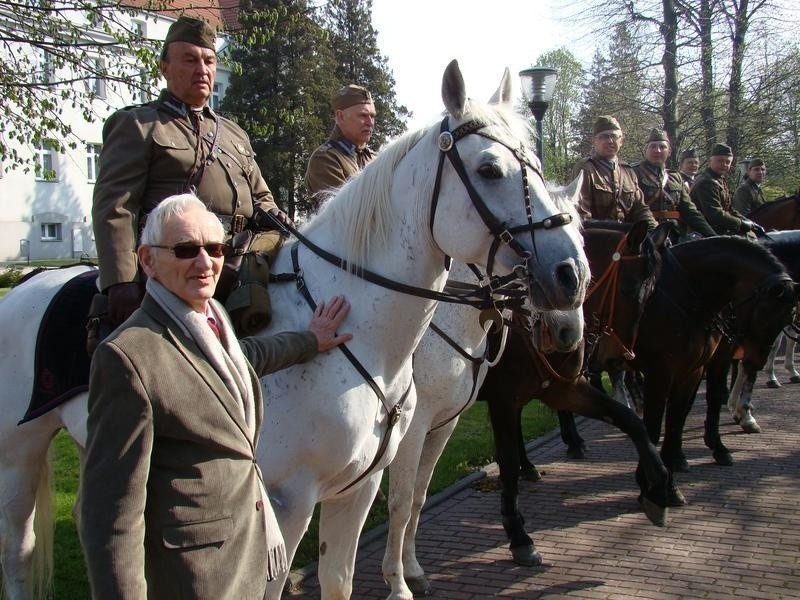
61 363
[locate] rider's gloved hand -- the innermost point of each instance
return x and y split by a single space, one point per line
747 226
123 299
265 220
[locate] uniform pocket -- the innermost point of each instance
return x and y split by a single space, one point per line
170 141
200 533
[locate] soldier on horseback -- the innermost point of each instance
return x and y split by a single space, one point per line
664 191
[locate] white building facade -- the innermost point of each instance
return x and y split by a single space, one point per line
47 214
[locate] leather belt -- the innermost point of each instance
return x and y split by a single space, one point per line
234 224
660 215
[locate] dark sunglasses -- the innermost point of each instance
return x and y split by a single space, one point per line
216 250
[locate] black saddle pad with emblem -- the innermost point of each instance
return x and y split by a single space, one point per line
61 364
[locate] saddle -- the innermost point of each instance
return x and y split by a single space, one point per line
61 363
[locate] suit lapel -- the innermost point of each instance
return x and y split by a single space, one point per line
197 360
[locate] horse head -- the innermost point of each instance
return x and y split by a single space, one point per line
626 267
489 176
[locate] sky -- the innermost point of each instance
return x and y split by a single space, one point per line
420 37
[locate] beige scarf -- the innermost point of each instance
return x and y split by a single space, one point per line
226 357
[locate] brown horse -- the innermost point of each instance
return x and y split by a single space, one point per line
708 289
627 266
780 214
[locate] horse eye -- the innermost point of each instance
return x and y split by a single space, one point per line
490 171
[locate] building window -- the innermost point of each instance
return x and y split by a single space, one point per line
216 96
92 158
140 29
51 232
45 162
94 82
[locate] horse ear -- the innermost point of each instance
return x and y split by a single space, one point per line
636 236
503 93
573 190
454 94
661 233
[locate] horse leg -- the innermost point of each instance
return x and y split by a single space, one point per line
679 404
772 379
527 470
504 417
716 393
651 474
26 513
742 395
431 452
340 522
576 446
788 361
403 503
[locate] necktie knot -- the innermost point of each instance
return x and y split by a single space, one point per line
212 323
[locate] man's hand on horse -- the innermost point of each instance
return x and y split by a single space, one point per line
266 220
123 299
326 320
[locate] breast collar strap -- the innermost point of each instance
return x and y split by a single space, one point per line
500 231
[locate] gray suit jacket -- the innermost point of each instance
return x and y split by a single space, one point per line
170 492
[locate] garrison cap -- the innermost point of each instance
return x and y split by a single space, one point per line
688 153
350 95
194 31
606 123
721 150
656 135
756 162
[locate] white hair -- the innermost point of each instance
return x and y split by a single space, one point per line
172 206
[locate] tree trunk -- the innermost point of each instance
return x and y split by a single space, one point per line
707 70
740 25
669 31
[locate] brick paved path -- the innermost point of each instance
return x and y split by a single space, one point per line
738 538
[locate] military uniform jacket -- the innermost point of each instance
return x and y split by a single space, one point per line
748 197
157 150
611 194
665 193
171 495
333 163
710 194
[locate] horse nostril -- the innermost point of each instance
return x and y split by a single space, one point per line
567 278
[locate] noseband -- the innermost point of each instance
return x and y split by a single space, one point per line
500 231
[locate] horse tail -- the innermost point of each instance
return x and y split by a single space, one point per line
43 529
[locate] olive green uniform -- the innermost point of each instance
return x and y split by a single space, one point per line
711 195
611 193
748 197
159 149
668 198
332 164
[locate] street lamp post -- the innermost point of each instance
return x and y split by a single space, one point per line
538 85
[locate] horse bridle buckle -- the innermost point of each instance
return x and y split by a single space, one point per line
446 141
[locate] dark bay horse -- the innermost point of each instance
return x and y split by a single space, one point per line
785 246
625 268
780 214
709 290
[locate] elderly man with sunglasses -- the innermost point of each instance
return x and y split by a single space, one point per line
172 502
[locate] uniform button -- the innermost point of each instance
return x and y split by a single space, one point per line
259 505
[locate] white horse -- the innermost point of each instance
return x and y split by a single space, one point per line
790 335
448 374
326 435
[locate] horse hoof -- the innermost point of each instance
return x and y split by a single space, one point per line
774 383
678 465
655 513
749 425
576 452
794 379
419 586
527 556
724 458
531 475
675 498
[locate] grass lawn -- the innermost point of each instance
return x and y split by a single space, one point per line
469 449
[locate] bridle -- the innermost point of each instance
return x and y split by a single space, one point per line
601 322
501 232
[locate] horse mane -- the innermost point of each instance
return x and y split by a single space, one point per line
564 202
362 207
739 246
